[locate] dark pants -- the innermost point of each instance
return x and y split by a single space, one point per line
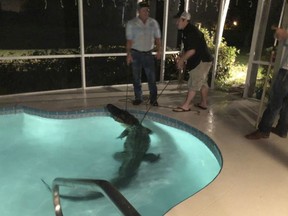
146 61
278 104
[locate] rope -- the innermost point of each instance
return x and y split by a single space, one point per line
126 101
127 70
157 99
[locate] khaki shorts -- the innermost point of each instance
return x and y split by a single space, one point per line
198 76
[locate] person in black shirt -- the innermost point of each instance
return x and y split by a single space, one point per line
196 59
277 107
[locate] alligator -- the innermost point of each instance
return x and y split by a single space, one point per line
136 146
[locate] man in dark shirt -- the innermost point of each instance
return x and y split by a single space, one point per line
278 101
197 60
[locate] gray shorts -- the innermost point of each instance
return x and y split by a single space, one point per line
198 76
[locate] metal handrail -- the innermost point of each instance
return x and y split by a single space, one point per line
101 186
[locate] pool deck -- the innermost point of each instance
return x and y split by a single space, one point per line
254 177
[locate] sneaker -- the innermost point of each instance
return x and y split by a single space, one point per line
136 102
155 103
257 135
277 132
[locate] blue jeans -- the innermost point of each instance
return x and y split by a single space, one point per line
278 104
144 61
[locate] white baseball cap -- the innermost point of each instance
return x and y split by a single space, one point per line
185 15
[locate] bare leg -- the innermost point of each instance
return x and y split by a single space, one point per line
204 96
191 94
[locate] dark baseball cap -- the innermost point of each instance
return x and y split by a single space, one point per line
143 4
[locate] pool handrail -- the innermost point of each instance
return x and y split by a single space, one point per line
102 186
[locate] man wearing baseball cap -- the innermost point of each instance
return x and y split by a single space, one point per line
196 59
142 34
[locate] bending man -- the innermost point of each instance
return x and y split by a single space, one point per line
197 60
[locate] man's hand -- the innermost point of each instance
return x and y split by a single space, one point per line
129 59
280 34
180 63
158 55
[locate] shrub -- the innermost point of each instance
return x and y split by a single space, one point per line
226 57
49 74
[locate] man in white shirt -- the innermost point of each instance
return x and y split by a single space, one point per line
142 34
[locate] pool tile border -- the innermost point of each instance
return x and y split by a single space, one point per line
102 112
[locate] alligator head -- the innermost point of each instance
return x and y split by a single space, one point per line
122 116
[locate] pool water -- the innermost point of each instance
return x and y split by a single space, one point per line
33 147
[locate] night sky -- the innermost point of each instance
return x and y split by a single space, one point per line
243 11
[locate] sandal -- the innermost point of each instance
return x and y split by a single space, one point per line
199 106
180 109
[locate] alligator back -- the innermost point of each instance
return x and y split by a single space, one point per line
136 145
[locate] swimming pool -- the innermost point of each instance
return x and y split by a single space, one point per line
81 144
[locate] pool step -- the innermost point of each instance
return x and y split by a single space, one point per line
102 186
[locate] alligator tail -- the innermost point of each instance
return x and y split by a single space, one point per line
47 186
